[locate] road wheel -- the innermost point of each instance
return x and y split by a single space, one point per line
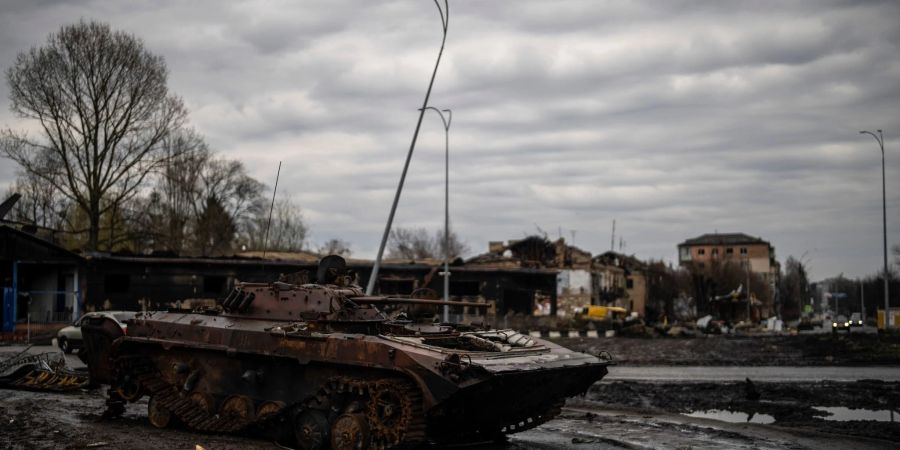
64 344
350 432
130 389
311 430
392 409
159 416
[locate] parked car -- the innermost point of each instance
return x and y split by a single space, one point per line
69 338
856 320
840 323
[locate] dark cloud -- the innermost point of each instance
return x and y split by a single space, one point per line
675 118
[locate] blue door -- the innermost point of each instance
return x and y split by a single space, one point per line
9 309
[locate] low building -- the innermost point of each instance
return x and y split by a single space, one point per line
41 284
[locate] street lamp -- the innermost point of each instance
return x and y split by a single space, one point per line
445 23
446 272
887 307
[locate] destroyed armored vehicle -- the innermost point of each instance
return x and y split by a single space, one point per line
322 364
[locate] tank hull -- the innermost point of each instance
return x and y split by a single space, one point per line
336 382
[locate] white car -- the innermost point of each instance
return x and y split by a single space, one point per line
69 338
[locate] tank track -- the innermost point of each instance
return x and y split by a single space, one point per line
409 430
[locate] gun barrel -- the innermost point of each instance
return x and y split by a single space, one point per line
413 301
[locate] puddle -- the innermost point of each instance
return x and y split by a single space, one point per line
732 416
844 414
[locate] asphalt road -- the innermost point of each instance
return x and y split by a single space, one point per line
756 373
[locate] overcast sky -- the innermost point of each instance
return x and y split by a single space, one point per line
675 118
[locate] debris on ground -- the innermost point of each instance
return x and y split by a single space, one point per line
41 371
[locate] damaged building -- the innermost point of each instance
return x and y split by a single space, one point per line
41 283
611 279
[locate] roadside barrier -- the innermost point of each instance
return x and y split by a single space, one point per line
557 334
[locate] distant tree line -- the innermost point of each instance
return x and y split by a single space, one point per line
688 291
419 243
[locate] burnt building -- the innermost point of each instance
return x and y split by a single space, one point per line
41 283
134 282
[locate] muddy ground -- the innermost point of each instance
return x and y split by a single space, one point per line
715 350
611 416
796 405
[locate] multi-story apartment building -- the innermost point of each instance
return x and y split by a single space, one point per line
703 251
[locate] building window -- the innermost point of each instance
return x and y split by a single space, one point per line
116 284
715 251
743 250
729 250
629 283
702 251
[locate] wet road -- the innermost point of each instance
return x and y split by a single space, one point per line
738 373
684 373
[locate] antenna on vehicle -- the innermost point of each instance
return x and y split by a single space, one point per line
269 222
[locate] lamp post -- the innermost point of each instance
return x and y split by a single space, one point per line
445 22
887 306
446 273
749 315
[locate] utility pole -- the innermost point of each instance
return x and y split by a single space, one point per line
887 303
612 242
862 301
749 317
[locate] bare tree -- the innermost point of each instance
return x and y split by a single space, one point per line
287 232
458 248
215 230
227 181
665 284
102 104
177 188
418 243
41 204
335 246
193 188
410 243
793 288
